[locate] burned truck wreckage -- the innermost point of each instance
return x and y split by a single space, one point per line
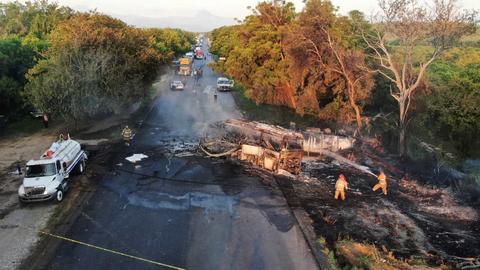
416 222
273 148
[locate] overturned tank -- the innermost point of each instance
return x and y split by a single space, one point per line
270 147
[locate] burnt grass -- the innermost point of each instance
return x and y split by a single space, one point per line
403 221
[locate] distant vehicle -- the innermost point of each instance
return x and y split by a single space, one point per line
36 113
224 84
185 68
198 53
177 85
222 58
46 178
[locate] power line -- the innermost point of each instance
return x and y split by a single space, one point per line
112 251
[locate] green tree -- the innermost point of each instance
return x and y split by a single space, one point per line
15 60
95 65
224 40
327 51
37 18
257 59
170 42
452 110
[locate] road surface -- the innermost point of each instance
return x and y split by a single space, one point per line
179 208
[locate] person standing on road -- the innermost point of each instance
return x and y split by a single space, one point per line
382 183
45 120
19 168
341 187
127 135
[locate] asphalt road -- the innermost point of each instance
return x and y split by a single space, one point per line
179 208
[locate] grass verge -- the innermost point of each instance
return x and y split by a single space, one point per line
349 254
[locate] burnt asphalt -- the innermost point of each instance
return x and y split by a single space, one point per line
179 208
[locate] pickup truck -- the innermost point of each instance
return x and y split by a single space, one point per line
177 85
224 84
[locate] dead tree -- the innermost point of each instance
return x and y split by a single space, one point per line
350 64
411 25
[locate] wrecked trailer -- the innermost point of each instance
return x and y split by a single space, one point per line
273 148
289 160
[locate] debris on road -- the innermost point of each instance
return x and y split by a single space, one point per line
136 157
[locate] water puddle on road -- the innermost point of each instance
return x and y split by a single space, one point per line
161 200
206 201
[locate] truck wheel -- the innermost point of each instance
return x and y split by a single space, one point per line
59 195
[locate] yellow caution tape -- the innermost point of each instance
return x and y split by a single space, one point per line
112 251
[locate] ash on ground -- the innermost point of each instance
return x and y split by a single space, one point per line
413 221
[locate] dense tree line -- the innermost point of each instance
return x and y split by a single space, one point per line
334 67
451 107
77 65
307 61
24 30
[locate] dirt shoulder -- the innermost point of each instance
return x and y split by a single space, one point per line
19 225
64 214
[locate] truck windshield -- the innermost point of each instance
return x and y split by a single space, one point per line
223 82
41 170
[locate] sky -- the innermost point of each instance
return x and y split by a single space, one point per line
136 10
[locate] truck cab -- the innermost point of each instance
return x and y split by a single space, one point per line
199 53
46 178
185 68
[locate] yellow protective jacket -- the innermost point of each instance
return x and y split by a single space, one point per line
127 133
382 179
341 185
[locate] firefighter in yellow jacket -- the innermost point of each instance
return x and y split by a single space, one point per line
127 135
382 183
340 187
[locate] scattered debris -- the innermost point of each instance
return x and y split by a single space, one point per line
92 142
136 157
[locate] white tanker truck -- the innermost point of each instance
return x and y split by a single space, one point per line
46 178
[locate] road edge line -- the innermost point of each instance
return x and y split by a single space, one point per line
320 258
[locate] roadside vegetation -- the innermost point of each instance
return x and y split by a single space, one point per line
413 67
77 66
